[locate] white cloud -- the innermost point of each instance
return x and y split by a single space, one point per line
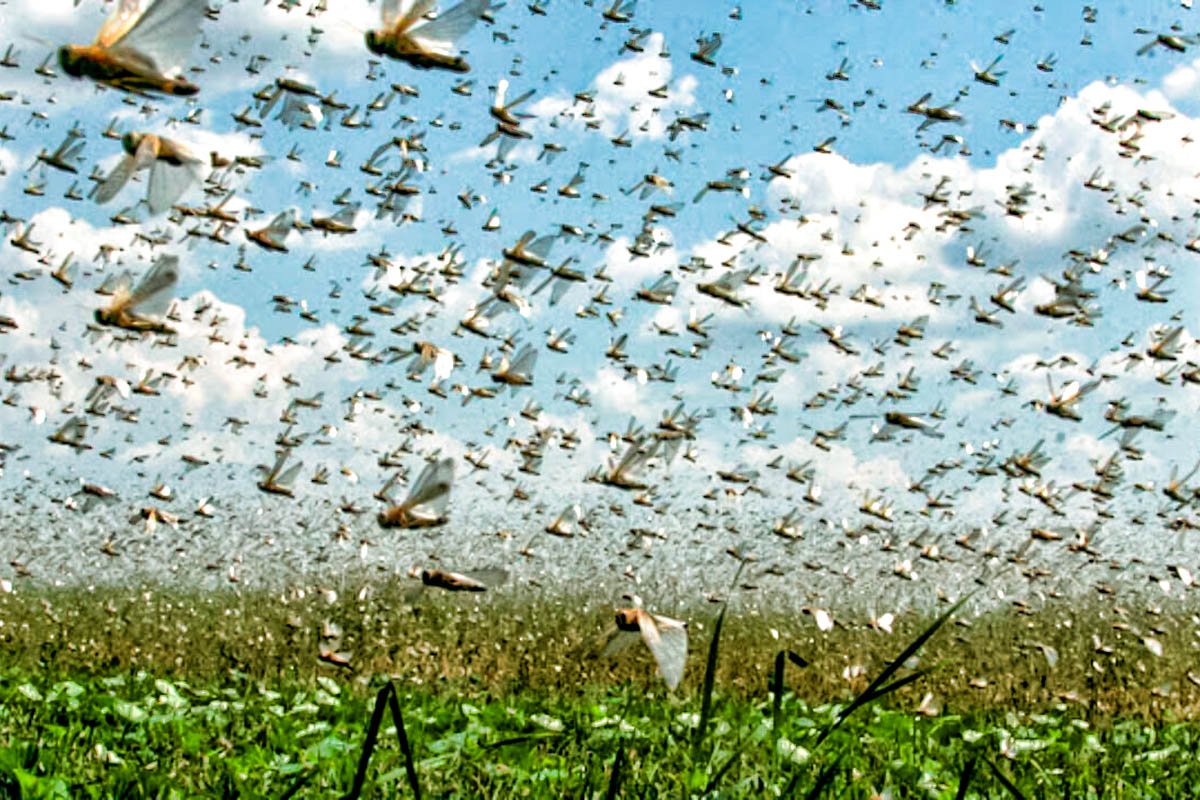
621 100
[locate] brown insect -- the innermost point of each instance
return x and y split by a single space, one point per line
130 308
140 47
172 170
408 35
427 501
665 637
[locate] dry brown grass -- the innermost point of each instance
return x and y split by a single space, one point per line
525 639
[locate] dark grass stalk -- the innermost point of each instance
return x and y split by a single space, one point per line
706 691
297 785
824 781
614 778
964 780
880 687
710 671
719 775
778 687
524 738
387 698
1005 781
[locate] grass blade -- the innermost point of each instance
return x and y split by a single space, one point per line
880 686
410 764
614 780
824 780
710 676
364 760
386 699
710 671
964 781
899 683
297 785
777 686
524 738
1005 781
723 769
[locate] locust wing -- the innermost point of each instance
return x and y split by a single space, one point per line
162 33
440 34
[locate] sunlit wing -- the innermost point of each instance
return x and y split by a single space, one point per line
119 22
165 32
557 291
143 158
280 458
432 489
346 215
405 19
439 35
541 247
633 461
168 182
282 224
505 148
288 477
118 286
391 10
153 292
667 640
443 365
521 99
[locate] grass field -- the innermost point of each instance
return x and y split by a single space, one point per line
152 693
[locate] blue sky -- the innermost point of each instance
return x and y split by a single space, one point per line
859 208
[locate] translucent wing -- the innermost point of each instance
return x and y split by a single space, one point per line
271 101
142 158
280 458
119 22
521 99
152 294
116 286
541 247
296 111
404 19
283 223
165 32
618 640
390 11
432 488
667 640
346 215
488 576
524 361
289 475
440 35
168 182
557 291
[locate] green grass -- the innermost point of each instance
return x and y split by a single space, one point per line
136 735
513 640
148 692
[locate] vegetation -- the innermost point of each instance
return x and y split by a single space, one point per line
145 693
134 734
